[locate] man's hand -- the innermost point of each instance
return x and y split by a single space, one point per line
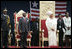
52 29
57 30
1 29
68 28
9 26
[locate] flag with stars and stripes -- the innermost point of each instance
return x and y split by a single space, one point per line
60 8
34 10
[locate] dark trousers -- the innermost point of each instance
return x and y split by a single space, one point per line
35 38
4 41
61 33
67 37
13 39
23 39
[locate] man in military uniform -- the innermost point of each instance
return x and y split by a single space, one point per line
5 27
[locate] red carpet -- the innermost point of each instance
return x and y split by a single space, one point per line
38 47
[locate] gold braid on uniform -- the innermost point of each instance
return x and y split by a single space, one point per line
8 22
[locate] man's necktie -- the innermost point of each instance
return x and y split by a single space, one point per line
24 19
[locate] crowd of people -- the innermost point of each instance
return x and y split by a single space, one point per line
61 25
25 25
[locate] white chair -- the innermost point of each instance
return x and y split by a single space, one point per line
42 38
29 36
17 36
46 38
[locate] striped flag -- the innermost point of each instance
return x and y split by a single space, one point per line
60 8
34 9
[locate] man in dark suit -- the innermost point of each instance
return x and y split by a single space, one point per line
35 35
23 28
5 21
61 28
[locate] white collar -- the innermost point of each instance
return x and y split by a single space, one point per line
5 14
24 17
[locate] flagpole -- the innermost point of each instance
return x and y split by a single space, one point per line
30 15
30 8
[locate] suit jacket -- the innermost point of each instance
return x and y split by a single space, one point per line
24 25
60 24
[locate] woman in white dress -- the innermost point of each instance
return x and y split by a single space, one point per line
67 22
